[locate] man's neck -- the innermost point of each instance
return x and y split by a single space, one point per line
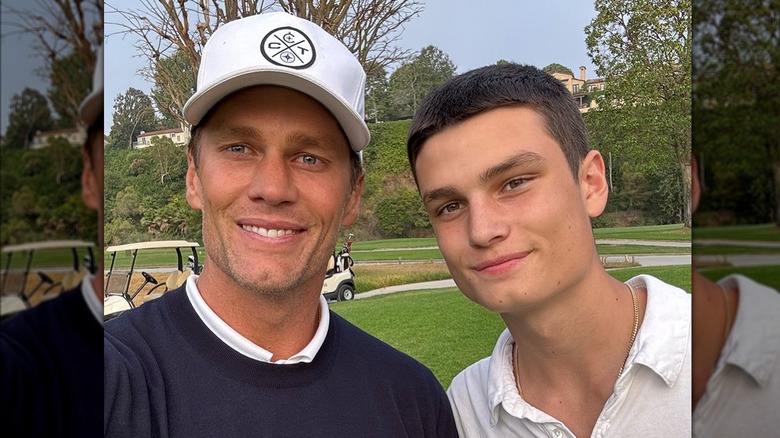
571 348
282 326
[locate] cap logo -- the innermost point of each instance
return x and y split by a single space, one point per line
288 47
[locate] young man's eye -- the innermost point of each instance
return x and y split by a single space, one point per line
450 208
239 149
515 183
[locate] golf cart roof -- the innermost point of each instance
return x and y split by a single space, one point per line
47 244
153 244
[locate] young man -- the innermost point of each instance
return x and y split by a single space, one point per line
249 348
52 354
736 353
501 160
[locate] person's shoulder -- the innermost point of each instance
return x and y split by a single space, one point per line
656 286
471 380
144 317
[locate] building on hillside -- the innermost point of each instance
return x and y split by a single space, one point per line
581 87
179 136
75 136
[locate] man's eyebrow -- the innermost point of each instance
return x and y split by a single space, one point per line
238 131
302 139
440 193
521 159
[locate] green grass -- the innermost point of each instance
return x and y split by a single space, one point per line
767 275
679 276
639 249
767 232
370 277
393 243
51 258
446 331
653 232
728 249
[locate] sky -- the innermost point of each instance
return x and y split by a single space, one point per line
472 34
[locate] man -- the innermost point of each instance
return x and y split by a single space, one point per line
52 354
736 354
249 348
501 160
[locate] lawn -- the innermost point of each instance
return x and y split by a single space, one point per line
767 275
767 232
729 249
653 232
446 331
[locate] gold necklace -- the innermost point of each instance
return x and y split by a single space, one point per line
634 330
728 313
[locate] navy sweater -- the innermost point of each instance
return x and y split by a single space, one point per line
52 370
168 375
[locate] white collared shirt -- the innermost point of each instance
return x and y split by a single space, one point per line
742 397
652 398
243 345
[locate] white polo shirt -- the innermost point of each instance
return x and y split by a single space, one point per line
243 345
742 397
652 398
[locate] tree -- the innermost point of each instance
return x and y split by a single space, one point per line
65 31
70 84
169 160
414 79
174 81
558 68
133 113
29 113
376 95
369 28
737 97
642 48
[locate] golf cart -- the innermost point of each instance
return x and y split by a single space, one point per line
339 278
59 268
121 275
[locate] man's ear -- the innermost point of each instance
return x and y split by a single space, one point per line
89 189
593 183
193 184
352 208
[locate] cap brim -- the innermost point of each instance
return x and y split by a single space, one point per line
351 122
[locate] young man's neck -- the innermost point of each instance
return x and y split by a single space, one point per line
281 326
572 348
709 327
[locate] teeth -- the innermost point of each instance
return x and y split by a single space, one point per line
267 233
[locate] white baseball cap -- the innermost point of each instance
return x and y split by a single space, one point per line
280 49
92 105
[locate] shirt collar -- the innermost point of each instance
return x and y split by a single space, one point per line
663 339
754 342
88 292
661 344
243 345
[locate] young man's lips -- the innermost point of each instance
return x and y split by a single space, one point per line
499 262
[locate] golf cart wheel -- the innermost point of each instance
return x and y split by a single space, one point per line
346 292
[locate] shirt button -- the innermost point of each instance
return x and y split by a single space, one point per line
557 433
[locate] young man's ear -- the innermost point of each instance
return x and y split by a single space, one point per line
593 183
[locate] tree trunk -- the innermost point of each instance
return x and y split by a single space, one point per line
685 168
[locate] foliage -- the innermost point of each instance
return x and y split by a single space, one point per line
133 113
70 84
28 113
643 50
558 68
414 79
737 109
41 195
174 83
